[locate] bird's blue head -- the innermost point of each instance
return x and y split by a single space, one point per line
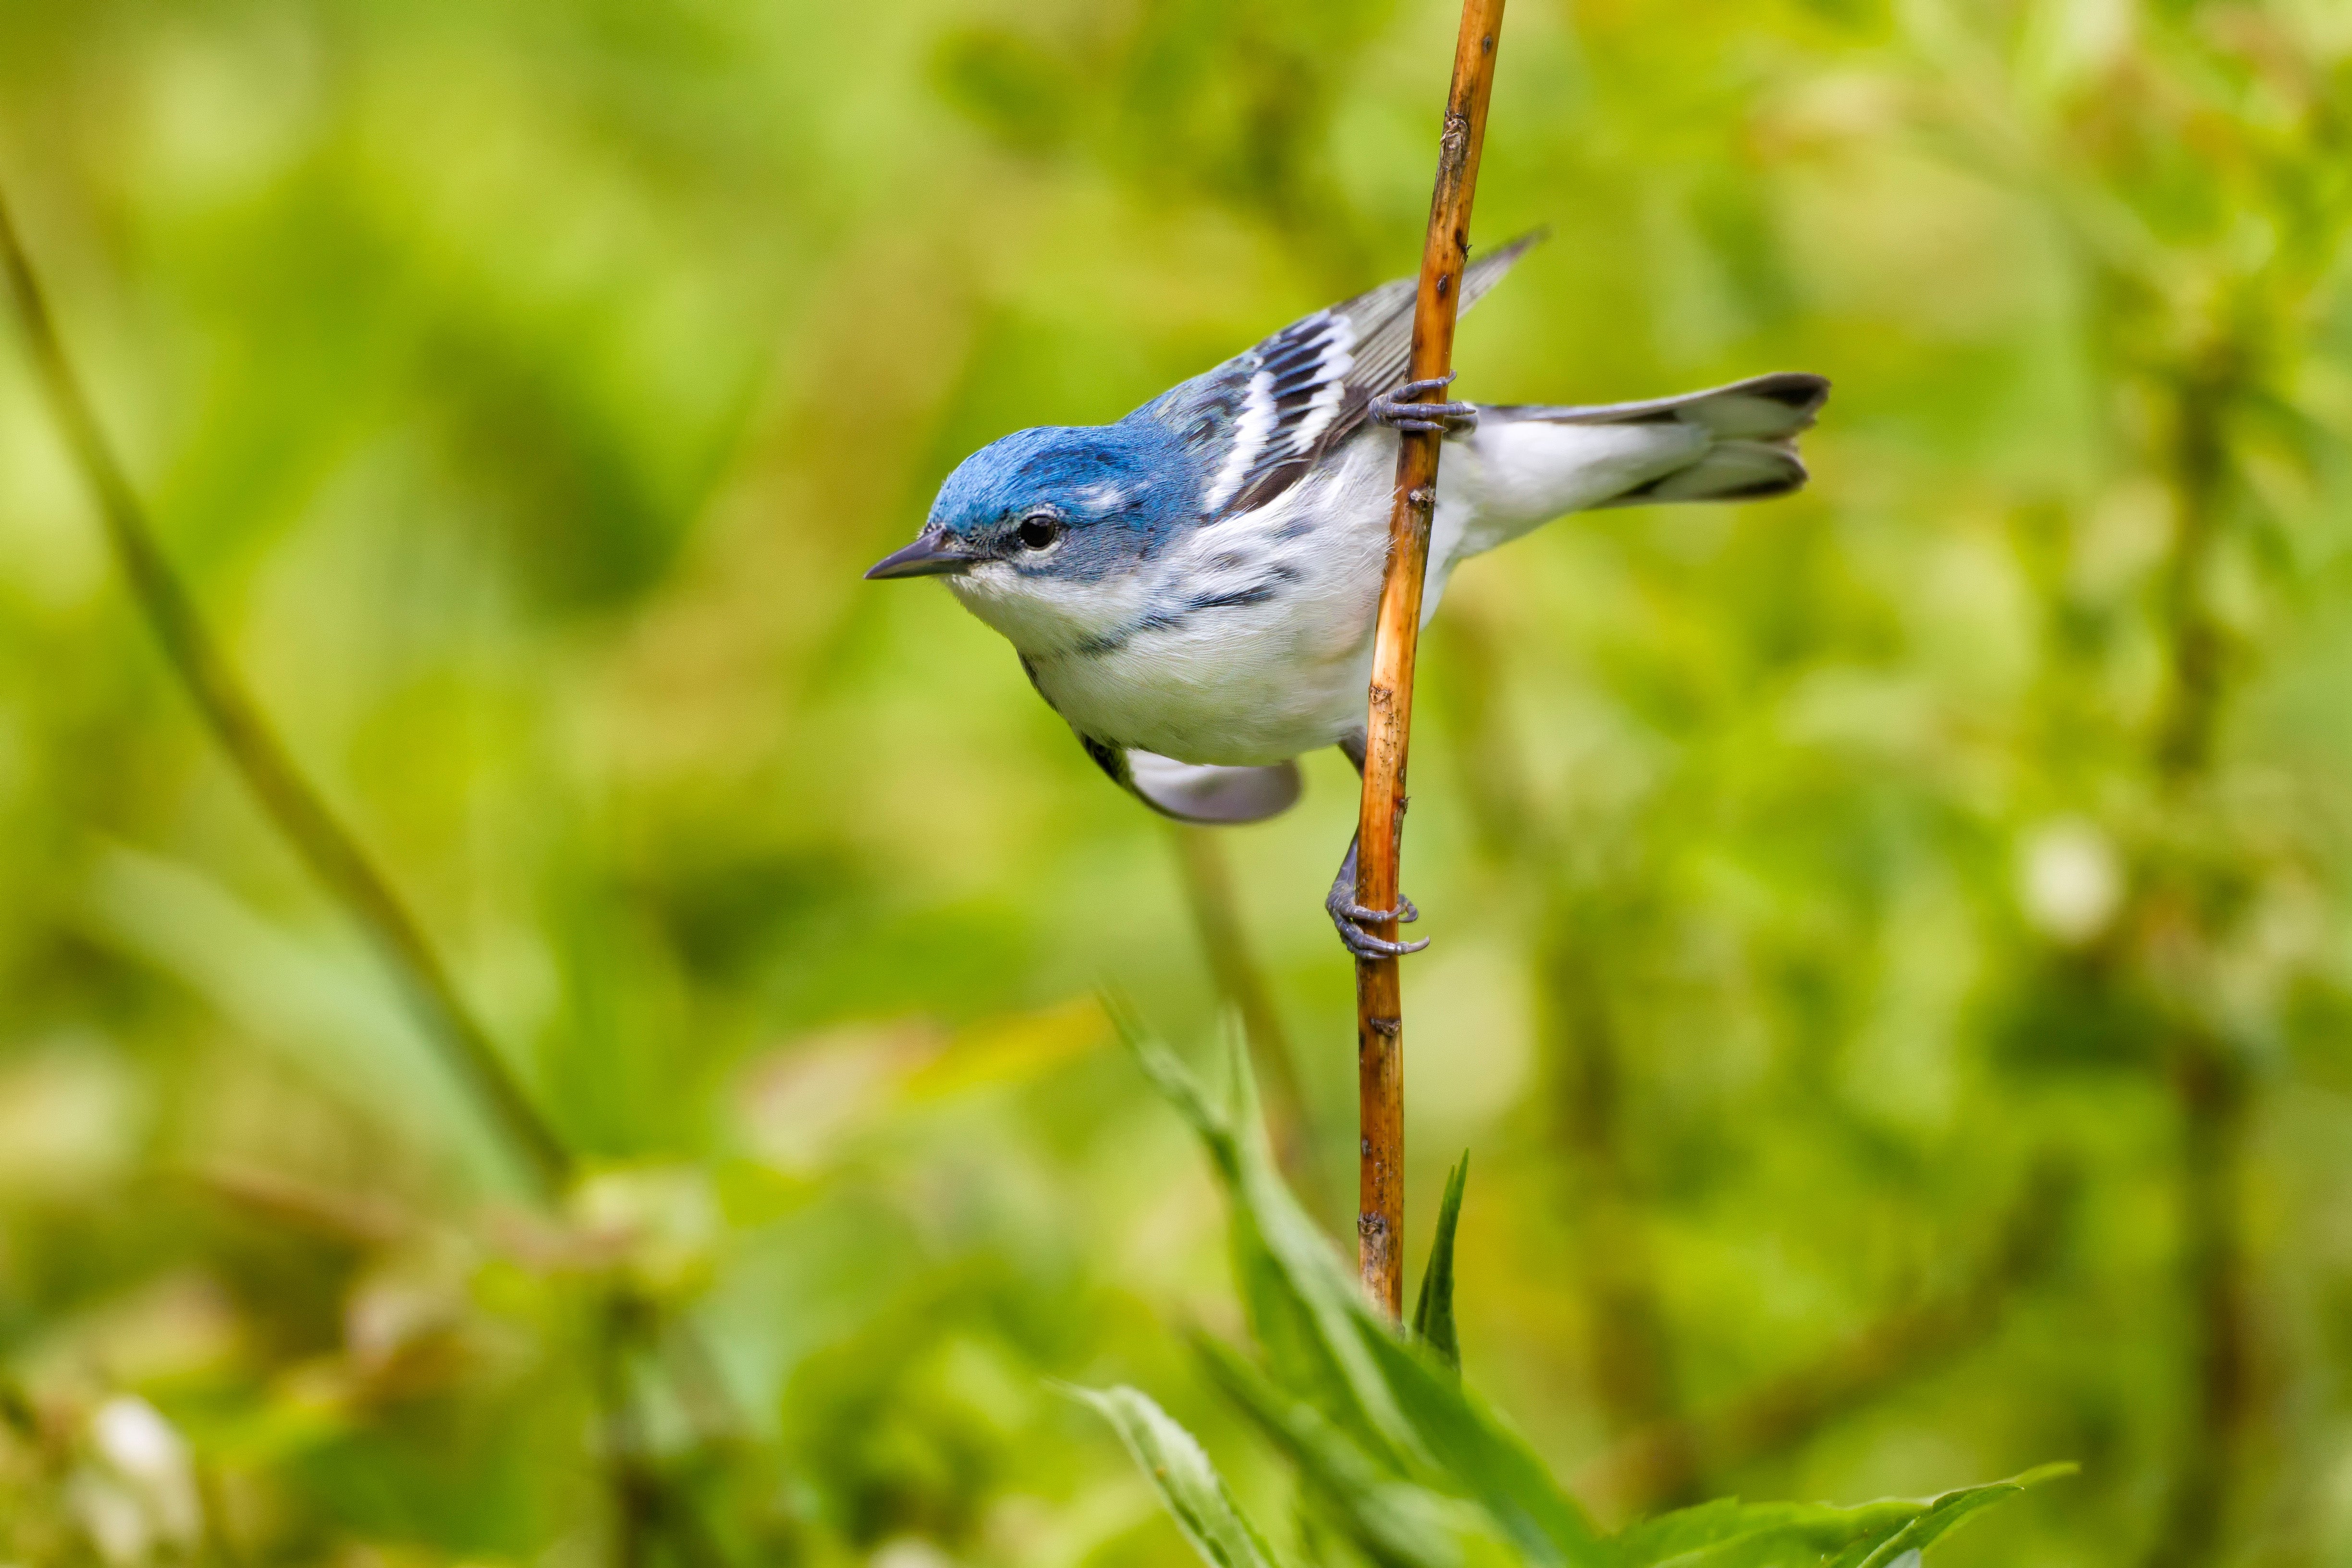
1047 534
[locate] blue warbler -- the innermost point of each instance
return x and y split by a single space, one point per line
1193 587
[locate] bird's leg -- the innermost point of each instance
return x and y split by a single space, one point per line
1348 917
1401 410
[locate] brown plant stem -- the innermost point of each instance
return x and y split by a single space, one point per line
633 1493
2209 1084
1379 1006
1631 1347
2195 646
1209 891
2212 1092
646 1507
260 756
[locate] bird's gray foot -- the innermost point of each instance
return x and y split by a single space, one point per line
1399 409
1348 917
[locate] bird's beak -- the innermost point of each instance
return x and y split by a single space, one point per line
930 556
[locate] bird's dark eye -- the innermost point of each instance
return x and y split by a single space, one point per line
1038 529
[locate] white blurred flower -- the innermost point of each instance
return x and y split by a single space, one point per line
910 1551
140 1494
2070 882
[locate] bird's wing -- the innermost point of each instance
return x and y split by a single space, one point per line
1261 418
1197 791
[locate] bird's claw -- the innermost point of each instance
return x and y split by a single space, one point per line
1400 409
1348 917
1363 944
1404 914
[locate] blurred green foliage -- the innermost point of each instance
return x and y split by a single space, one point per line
1894 960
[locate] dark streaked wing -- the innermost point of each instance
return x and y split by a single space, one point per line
1292 388
1263 418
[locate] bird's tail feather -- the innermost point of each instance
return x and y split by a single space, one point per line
1728 471
1535 462
1762 407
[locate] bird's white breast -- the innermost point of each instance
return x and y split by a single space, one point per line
1247 682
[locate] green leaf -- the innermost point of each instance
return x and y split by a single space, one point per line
1433 1310
1471 1454
1731 1534
1188 1483
1728 1533
1945 1514
1394 1523
1303 1306
1324 1344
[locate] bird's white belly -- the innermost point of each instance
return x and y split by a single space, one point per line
1232 686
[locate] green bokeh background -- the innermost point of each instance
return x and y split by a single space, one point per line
1893 945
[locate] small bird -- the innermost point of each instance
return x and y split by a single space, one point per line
1193 588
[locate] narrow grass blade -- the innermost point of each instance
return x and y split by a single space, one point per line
1432 1310
1187 1482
